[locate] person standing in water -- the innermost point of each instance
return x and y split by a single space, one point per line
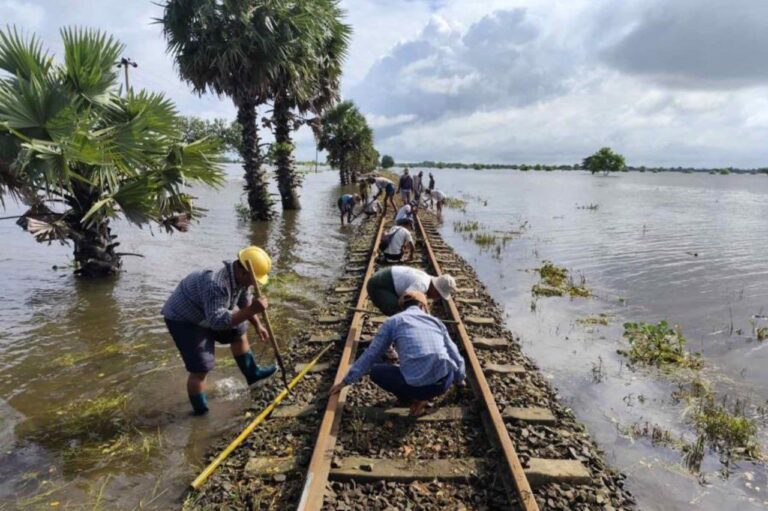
346 204
210 307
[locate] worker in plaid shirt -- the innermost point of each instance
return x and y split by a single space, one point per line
429 360
214 306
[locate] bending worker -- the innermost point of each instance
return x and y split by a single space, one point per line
215 306
387 286
384 185
429 360
405 214
346 204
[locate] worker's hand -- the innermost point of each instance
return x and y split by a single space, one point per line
263 333
461 383
259 305
336 388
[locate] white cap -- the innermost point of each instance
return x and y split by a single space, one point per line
445 285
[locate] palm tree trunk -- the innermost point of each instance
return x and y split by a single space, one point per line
255 179
95 255
288 181
343 174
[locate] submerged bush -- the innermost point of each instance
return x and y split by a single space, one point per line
658 345
555 281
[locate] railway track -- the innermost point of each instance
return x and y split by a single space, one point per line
501 443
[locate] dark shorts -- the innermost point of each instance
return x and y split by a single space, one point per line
197 344
393 257
390 190
389 378
405 222
381 291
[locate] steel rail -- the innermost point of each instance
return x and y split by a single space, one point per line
320 463
512 463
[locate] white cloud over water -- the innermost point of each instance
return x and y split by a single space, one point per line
675 83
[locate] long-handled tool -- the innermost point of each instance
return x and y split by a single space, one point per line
205 474
268 326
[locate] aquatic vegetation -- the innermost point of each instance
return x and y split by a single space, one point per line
598 373
468 226
556 281
484 239
600 319
242 212
455 203
658 345
590 207
762 333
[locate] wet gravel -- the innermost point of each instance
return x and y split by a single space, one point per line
233 487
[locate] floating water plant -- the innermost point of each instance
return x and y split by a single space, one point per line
454 203
590 207
657 345
555 281
600 319
468 226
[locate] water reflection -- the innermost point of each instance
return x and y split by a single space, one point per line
103 346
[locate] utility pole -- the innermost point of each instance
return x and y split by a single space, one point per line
125 63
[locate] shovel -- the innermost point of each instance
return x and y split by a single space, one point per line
257 294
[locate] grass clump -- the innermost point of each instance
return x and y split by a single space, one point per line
658 345
556 281
468 226
455 203
600 319
242 212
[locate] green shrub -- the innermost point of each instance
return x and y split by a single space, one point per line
657 345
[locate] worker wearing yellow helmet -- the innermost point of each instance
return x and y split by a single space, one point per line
215 306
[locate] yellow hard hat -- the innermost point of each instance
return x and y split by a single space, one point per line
259 261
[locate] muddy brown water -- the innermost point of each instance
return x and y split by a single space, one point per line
65 341
688 248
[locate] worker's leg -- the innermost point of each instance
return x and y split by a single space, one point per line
389 378
241 351
197 350
381 291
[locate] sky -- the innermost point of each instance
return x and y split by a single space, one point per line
668 83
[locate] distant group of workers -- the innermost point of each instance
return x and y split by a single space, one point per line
411 189
209 307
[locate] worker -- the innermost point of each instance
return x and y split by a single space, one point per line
418 186
372 208
346 204
429 360
215 306
363 189
438 198
397 244
405 215
431 182
388 285
385 186
405 186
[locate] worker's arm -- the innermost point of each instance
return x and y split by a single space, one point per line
372 354
217 313
410 248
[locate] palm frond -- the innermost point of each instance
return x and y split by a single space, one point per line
22 57
89 63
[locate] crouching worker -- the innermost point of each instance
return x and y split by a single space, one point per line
387 286
215 306
429 360
397 244
373 208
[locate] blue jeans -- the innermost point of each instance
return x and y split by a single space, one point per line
389 378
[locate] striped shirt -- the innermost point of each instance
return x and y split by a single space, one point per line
207 298
427 353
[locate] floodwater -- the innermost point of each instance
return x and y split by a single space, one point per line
93 407
687 248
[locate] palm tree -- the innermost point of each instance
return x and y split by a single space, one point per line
78 155
232 47
310 84
345 134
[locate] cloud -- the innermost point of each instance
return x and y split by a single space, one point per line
497 61
24 14
696 43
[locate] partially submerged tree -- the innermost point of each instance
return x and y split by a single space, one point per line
345 135
605 161
232 48
387 162
79 155
307 82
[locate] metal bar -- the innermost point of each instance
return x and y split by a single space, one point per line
320 464
512 462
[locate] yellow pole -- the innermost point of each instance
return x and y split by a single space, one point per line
205 474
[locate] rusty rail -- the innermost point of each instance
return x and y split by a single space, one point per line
320 463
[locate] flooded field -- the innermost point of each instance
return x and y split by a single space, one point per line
93 408
682 247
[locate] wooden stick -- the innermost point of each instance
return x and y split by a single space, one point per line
257 294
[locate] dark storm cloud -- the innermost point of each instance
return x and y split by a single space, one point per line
697 43
496 62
